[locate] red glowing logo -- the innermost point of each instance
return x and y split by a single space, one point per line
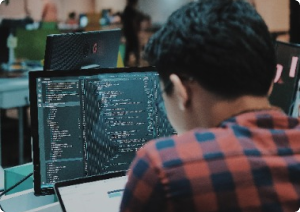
95 48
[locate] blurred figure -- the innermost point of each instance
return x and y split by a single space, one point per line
115 18
131 20
49 13
72 19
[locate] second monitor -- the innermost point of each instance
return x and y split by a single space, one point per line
82 50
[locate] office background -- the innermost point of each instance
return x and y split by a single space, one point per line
276 13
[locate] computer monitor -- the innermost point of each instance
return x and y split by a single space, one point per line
89 122
287 76
82 50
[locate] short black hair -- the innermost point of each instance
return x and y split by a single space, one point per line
223 44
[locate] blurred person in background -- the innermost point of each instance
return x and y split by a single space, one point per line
72 19
49 12
131 20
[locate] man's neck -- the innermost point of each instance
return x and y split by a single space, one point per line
211 111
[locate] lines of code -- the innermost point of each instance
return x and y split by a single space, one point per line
95 124
121 114
60 131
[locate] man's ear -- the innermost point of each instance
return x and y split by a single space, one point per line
180 91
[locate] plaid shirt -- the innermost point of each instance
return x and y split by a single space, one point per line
251 162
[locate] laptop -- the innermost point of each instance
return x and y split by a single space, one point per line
94 193
82 50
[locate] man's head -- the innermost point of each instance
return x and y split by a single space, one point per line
216 59
224 45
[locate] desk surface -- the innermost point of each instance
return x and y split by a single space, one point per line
12 84
11 74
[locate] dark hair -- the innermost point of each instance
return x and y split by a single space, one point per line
72 15
223 44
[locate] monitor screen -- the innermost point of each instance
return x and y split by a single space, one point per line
92 122
82 50
287 76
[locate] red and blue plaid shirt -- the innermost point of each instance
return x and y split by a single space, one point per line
251 162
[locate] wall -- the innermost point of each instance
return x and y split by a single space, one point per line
274 12
15 9
159 10
115 5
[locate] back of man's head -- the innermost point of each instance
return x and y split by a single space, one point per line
224 44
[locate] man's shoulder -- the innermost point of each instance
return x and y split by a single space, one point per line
195 135
188 141
234 138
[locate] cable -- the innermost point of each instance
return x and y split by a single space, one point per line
12 187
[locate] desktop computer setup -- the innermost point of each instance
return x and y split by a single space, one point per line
89 118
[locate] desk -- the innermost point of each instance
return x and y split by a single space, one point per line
14 93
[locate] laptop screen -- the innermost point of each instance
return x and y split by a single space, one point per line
94 120
97 193
82 50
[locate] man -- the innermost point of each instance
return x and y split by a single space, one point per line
233 151
131 20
